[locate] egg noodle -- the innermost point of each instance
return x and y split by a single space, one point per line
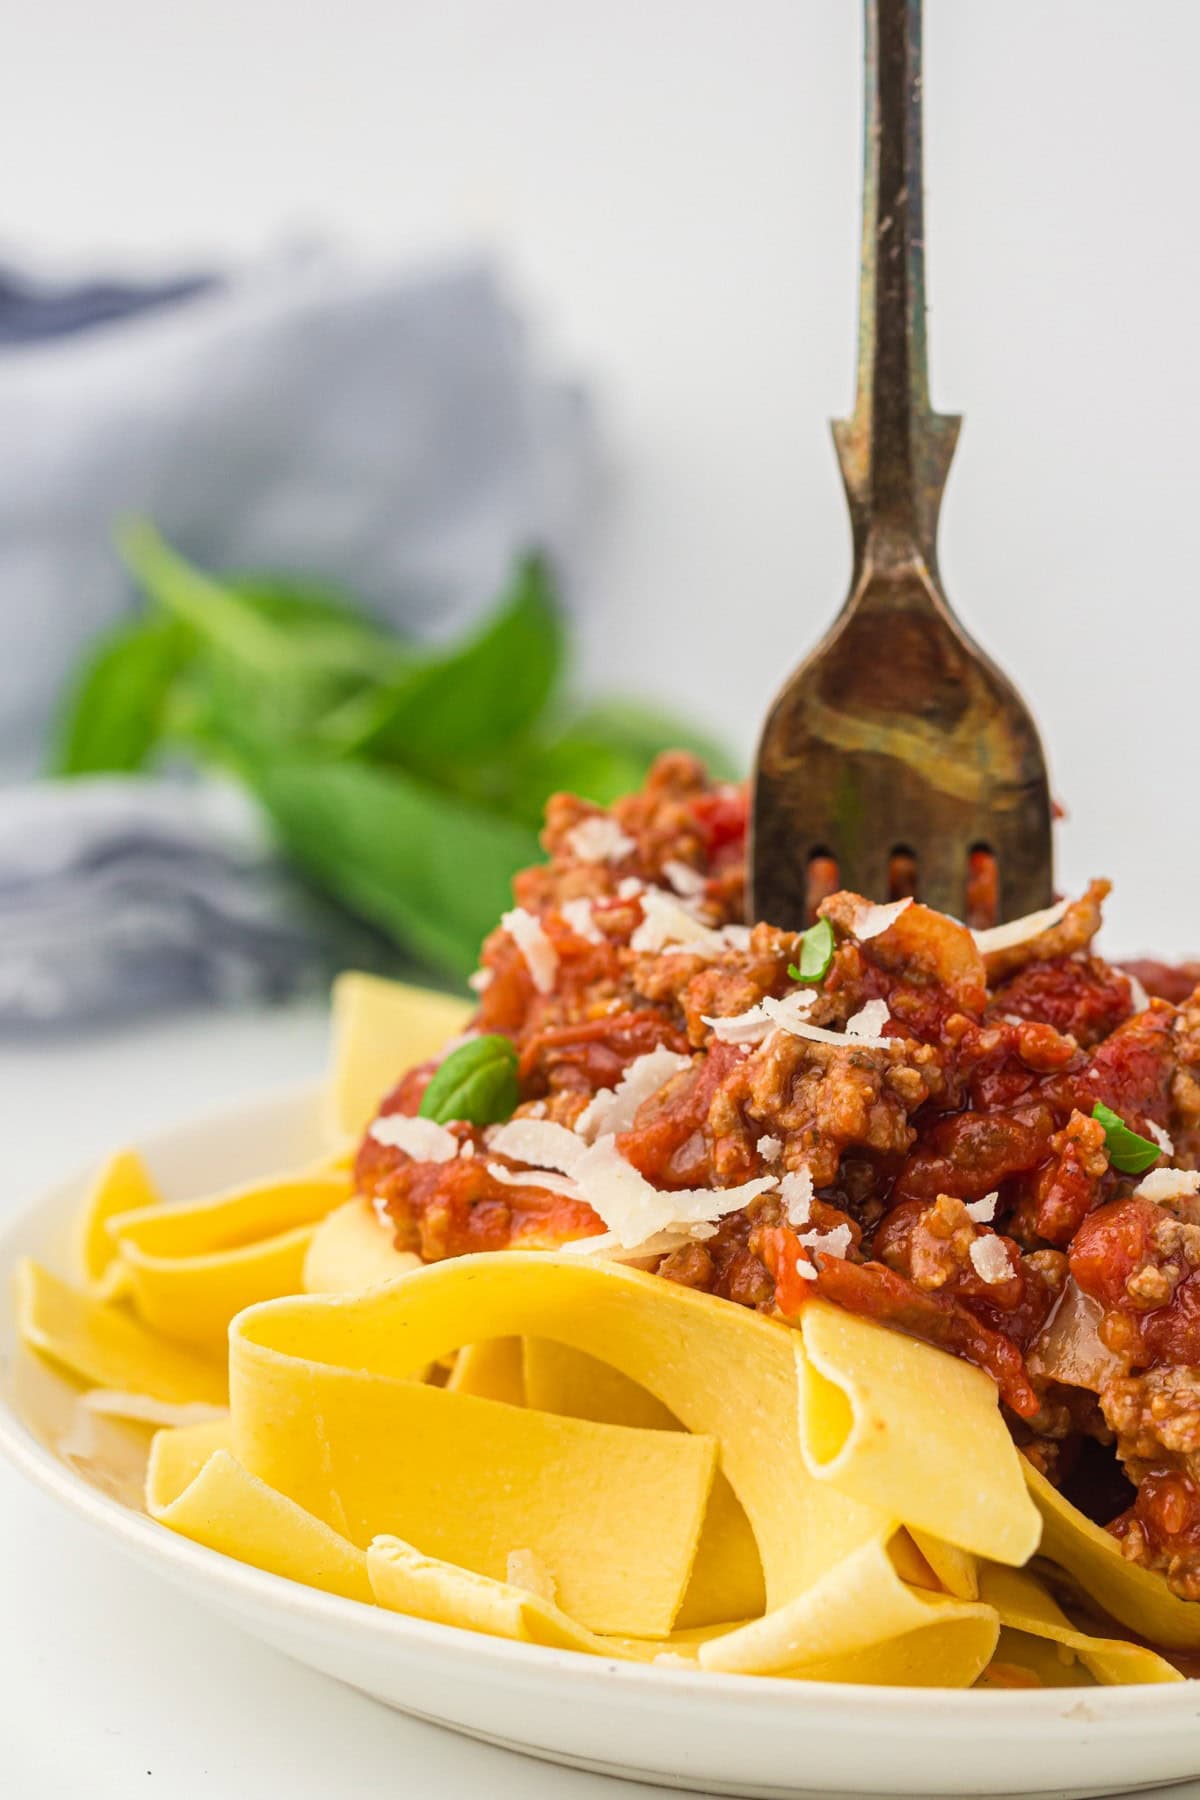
571 1452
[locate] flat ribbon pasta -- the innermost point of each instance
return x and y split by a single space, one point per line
884 1415
360 1445
727 1578
122 1186
379 1027
190 1268
350 1250
223 1506
1024 1605
102 1344
1134 1596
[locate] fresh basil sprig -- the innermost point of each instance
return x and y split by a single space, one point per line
407 781
816 954
1128 1152
477 1084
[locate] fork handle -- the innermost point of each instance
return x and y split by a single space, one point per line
895 451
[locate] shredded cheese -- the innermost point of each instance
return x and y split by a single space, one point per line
1019 931
829 1243
535 1178
598 840
805 1268
688 882
666 921
770 1148
579 916
990 1261
634 1211
752 1026
541 958
796 1191
1137 993
1160 1137
614 1109
481 980
784 1014
869 921
1168 1184
982 1212
869 1020
540 1142
422 1139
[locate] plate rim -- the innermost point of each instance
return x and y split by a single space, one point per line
141 1536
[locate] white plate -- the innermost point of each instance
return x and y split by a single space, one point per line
720 1733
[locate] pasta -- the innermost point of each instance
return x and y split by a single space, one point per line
575 1370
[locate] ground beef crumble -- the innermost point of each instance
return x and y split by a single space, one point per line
981 1207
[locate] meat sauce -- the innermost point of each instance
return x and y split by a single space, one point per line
958 1147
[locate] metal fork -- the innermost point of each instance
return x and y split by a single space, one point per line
898 741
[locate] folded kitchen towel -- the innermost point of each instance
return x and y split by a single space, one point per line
391 431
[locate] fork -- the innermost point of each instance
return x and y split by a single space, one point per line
898 751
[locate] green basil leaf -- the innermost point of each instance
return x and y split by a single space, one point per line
476 697
476 1083
113 715
1128 1152
430 871
816 953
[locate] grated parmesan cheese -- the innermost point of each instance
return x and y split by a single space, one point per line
688 882
982 1212
1019 931
579 916
829 1243
540 1142
541 958
481 980
599 840
634 1211
1160 1137
805 1268
1137 993
869 1020
989 1259
535 1178
770 1148
667 921
752 1026
870 920
1168 1184
526 1570
614 1109
422 1139
631 888
796 1191
785 1014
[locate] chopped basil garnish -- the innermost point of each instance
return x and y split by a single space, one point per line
1128 1152
816 953
477 1083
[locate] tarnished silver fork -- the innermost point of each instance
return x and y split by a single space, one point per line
898 749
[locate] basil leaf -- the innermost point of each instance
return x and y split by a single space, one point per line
476 698
1128 1152
430 871
113 716
476 1083
816 953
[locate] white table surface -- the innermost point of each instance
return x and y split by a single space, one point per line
111 1683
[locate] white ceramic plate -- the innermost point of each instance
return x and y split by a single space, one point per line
720 1733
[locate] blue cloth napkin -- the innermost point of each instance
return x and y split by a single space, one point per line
392 431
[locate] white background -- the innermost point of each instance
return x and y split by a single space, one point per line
672 185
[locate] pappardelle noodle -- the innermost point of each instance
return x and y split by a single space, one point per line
812 1305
